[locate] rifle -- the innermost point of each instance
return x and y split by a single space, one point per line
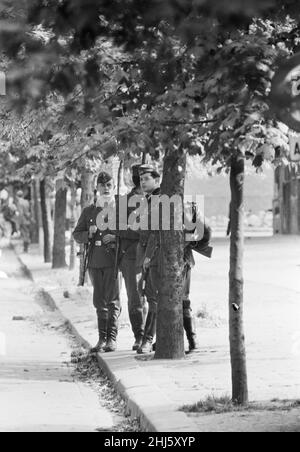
88 247
142 285
85 263
202 246
86 256
117 251
145 275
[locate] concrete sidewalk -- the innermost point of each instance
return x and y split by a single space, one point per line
156 390
41 392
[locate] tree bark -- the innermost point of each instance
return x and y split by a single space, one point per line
144 158
236 307
170 333
59 243
35 230
73 224
87 198
45 208
87 187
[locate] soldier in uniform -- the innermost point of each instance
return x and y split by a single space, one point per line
148 257
127 264
92 228
198 237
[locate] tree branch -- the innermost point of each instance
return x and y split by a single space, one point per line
174 122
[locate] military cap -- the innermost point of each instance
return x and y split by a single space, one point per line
149 169
104 178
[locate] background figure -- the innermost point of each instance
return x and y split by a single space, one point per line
23 218
9 211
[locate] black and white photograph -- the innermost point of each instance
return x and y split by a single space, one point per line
149 219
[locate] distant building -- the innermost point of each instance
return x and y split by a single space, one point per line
286 205
259 195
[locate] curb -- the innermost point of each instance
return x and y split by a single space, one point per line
150 406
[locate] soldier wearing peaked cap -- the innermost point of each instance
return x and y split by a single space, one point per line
104 178
129 240
149 169
93 229
148 257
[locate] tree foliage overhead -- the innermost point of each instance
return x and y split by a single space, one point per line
136 75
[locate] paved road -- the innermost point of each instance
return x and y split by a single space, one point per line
272 311
38 392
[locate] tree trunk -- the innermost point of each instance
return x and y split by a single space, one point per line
87 187
170 334
35 230
144 158
87 198
236 308
59 244
45 208
73 224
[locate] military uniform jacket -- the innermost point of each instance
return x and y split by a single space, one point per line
149 244
100 256
149 240
129 238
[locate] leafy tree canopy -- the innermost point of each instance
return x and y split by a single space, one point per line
140 75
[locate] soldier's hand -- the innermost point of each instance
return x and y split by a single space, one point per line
92 231
147 263
109 238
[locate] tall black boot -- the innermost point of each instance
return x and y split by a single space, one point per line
112 329
137 321
102 330
150 332
190 329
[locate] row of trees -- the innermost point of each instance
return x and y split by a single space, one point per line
168 78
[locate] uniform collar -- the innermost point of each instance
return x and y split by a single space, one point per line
136 191
102 202
154 193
